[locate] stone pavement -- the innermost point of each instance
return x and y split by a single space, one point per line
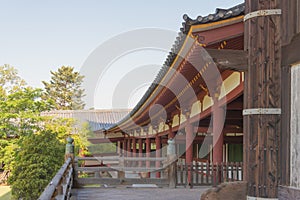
122 193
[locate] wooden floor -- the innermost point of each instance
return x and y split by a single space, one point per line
123 193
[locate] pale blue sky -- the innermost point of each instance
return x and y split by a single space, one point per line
38 36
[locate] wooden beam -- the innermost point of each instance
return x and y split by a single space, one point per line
229 59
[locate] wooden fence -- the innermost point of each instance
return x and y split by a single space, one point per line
206 173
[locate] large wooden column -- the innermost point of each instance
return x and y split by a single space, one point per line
189 138
157 154
262 98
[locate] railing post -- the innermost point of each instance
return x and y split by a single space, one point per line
121 172
69 153
69 149
171 161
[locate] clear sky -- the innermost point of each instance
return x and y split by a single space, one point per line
38 36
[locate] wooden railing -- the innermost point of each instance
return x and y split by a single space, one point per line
206 173
115 174
71 174
4 176
61 185
167 170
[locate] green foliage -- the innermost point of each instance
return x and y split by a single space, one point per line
8 153
32 146
19 116
65 89
9 79
65 127
38 159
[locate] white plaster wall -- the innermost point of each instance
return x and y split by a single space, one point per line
295 126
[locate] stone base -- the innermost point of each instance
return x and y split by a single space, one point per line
230 190
287 192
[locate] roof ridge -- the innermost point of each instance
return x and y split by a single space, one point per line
220 14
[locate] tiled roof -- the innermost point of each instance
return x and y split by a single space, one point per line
98 119
220 14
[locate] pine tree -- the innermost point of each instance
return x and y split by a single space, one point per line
65 89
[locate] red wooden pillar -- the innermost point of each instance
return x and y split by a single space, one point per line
134 150
171 134
140 151
120 148
189 147
124 147
133 147
218 139
129 151
148 151
128 147
157 154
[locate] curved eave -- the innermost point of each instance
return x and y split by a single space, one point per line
173 61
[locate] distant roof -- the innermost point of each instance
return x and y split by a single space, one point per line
220 14
98 119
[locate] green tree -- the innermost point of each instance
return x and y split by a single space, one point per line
65 127
9 79
19 116
37 161
65 89
31 145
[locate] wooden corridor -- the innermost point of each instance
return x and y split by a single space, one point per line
75 182
137 193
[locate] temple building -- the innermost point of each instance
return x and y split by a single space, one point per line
196 98
227 92
224 106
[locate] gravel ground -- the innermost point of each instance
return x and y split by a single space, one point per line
138 193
